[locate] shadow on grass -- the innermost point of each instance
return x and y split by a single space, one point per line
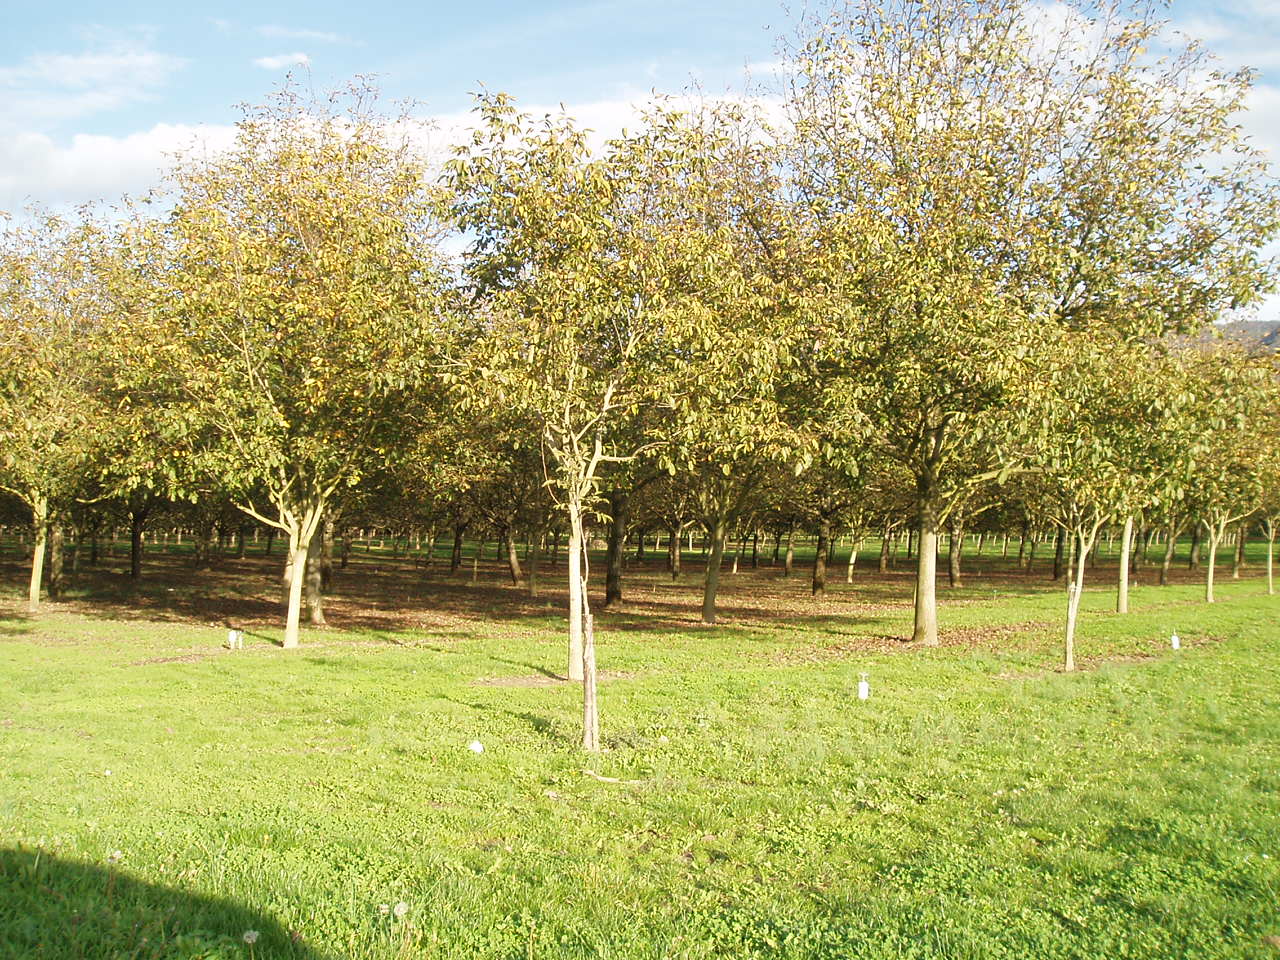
57 908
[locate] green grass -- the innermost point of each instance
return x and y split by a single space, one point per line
980 804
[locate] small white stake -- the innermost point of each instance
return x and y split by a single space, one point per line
864 686
1175 642
475 746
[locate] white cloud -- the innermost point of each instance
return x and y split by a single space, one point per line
290 33
61 85
282 60
34 168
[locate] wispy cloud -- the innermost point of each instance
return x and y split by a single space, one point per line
293 33
63 85
282 60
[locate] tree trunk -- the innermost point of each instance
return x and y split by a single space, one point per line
1058 546
57 581
711 575
755 549
1122 584
1215 536
577 591
926 601
1237 563
1074 594
513 561
1170 546
475 562
315 579
240 542
455 556
819 586
955 548
1193 557
40 542
853 559
326 553
674 544
619 504
271 536
137 520
534 557
926 605
884 550
789 559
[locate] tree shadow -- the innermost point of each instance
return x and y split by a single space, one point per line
54 907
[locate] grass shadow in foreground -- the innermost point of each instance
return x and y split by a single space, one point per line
56 908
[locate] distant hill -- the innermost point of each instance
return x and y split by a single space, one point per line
1256 336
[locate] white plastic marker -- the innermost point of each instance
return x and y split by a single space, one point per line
1175 642
864 686
475 746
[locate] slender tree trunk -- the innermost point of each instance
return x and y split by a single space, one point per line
777 547
1074 594
1170 546
819 586
789 559
475 562
1193 557
1022 546
137 520
885 547
755 549
1215 537
455 555
853 559
711 575
271 536
534 556
57 580
577 591
1058 546
926 601
40 542
926 604
1122 585
674 544
955 547
315 578
513 561
619 508
1237 563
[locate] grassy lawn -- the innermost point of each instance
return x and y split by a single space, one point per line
160 796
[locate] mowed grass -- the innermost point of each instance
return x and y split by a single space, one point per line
161 796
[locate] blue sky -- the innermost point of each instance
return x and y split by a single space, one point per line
93 96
